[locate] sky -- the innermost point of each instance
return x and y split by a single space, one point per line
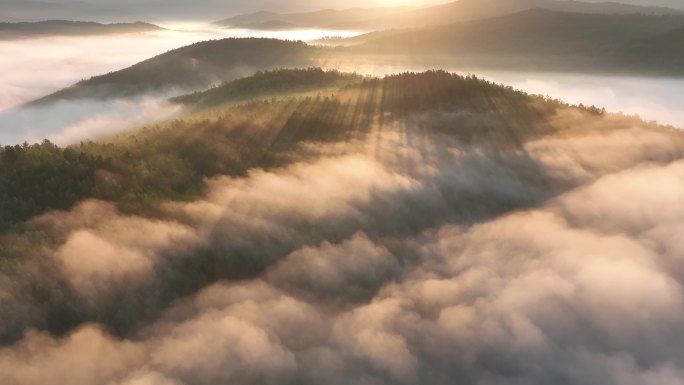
154 10
206 10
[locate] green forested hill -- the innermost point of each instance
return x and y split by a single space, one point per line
170 160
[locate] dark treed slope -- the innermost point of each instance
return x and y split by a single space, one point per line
172 159
463 10
269 83
192 67
660 51
70 28
543 39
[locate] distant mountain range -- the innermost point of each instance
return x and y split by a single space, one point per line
543 39
69 28
463 10
34 10
531 40
330 19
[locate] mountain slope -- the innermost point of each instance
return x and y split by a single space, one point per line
537 38
192 67
665 50
279 111
328 18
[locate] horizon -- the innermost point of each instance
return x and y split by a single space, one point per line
213 10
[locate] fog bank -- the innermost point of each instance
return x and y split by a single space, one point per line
397 256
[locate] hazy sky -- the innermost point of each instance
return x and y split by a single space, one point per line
177 10
306 4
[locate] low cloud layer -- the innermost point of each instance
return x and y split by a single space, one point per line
399 257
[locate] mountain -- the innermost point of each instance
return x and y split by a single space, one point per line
534 39
541 38
329 18
463 10
256 122
192 67
70 28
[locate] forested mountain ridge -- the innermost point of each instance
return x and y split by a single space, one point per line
170 160
70 28
195 66
535 39
544 39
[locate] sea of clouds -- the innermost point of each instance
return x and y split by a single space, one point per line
402 256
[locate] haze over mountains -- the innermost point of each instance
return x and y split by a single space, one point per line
534 39
543 39
70 28
156 10
193 67
462 10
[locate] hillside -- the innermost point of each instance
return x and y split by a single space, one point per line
657 52
542 39
328 19
170 160
192 67
458 11
70 28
